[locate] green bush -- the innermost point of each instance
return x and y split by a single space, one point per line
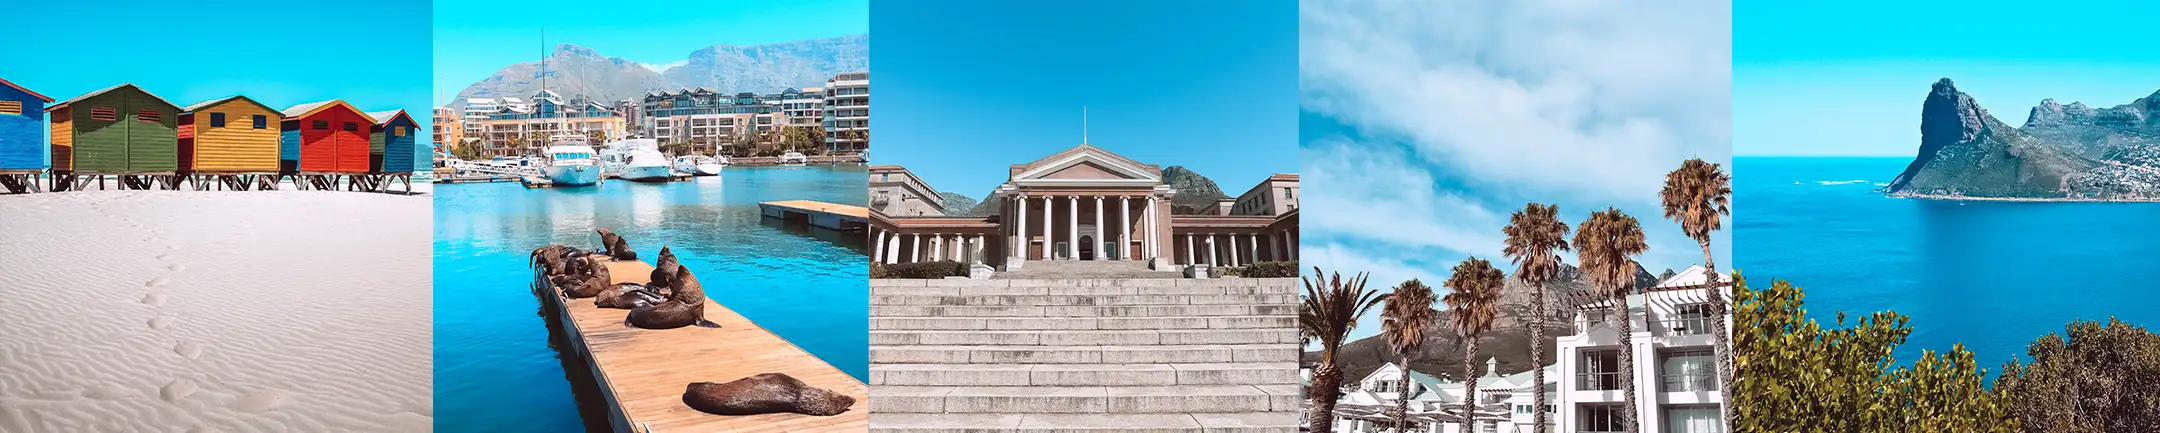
877 270
1281 269
930 270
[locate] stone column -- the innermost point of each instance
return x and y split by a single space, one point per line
1274 247
892 250
914 253
1189 249
1049 214
1253 246
1124 234
975 254
1072 245
1019 246
1233 249
1154 242
937 246
1099 250
1211 257
877 251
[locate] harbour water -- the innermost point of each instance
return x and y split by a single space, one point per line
1992 275
496 368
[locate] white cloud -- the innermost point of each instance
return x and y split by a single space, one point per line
663 68
1372 193
1593 97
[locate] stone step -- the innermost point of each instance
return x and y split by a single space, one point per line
1082 290
1248 373
1080 323
1240 422
1160 354
885 311
1141 337
1086 399
1079 300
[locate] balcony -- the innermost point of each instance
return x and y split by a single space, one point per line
1600 381
1695 381
1684 325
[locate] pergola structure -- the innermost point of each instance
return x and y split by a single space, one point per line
1087 204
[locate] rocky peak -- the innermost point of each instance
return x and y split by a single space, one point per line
2049 113
575 50
1947 118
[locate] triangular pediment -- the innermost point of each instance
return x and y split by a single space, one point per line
1086 162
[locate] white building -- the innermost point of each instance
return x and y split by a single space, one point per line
1675 376
1675 371
847 109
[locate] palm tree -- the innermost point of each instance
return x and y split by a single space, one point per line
1698 195
1409 311
1331 306
1473 302
1605 245
1534 234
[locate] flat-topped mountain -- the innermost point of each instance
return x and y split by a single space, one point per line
2064 152
574 71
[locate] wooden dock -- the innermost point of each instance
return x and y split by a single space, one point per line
832 216
643 371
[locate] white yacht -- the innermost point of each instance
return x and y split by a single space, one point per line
699 165
641 160
570 162
794 158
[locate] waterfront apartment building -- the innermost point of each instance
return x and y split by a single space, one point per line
704 118
895 191
805 108
476 110
633 114
847 112
519 128
449 128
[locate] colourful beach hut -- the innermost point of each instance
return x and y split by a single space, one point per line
324 137
118 130
22 127
392 141
230 136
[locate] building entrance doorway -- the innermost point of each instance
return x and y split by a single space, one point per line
1087 247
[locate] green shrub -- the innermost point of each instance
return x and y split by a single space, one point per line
877 270
1279 269
930 270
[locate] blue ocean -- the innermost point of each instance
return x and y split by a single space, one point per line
496 367
1992 275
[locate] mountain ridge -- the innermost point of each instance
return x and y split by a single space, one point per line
576 71
2065 152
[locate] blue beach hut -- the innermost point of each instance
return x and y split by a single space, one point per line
22 128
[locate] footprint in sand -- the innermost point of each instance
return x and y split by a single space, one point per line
160 322
110 392
189 349
153 299
260 401
177 389
176 268
156 282
164 256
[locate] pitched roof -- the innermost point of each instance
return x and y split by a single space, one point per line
215 102
382 117
64 104
26 90
303 110
1693 277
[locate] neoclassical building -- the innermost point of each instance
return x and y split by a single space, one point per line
1086 204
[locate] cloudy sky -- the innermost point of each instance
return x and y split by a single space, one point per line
1424 124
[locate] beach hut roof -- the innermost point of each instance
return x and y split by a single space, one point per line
64 104
384 117
214 102
304 110
47 99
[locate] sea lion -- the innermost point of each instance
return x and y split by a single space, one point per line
549 259
615 246
684 307
594 280
765 393
663 273
628 296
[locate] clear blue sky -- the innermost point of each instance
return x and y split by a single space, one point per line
965 89
474 38
1848 77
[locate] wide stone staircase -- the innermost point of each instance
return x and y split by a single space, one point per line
1158 355
1092 269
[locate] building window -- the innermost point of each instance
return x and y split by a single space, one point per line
1689 319
1599 418
397 131
261 122
1687 370
320 125
1692 419
1600 370
147 116
11 107
217 120
352 127
1286 193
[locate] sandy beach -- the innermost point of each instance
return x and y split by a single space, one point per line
184 311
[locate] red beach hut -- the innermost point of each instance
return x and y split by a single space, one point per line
324 137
